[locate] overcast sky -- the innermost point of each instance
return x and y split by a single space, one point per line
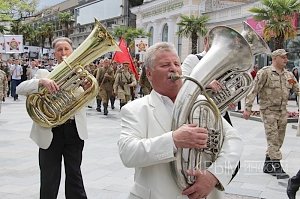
47 3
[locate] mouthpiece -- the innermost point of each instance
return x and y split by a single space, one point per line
174 76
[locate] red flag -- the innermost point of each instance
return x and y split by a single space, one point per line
123 56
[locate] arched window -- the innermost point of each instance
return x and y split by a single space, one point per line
165 33
151 36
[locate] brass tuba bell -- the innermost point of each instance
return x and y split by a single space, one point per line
50 110
229 52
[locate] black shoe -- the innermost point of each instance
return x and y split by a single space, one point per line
279 172
112 107
90 107
98 109
291 189
105 112
268 166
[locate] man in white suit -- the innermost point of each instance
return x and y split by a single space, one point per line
66 140
147 143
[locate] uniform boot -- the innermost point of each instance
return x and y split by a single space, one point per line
105 108
268 167
291 189
121 105
279 172
112 102
98 101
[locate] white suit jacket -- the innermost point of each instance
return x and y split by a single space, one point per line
146 144
40 135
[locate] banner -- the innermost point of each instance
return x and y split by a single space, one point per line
2 46
33 51
13 43
141 45
123 56
258 26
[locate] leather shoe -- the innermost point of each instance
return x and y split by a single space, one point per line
291 190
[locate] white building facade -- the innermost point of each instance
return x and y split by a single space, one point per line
160 18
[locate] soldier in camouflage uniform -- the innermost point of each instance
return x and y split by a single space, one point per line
3 87
123 81
273 84
105 78
144 83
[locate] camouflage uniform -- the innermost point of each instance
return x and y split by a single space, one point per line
273 91
105 85
123 81
3 86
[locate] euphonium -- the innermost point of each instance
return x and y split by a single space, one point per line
50 110
229 52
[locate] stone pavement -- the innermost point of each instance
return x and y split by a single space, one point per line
104 175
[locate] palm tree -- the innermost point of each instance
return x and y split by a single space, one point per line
129 34
278 15
193 27
66 18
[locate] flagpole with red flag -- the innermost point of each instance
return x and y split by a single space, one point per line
124 55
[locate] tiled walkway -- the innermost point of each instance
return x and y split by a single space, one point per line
104 175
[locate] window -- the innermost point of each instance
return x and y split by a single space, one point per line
165 33
151 36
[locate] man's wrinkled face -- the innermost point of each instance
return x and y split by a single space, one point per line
281 60
166 63
62 49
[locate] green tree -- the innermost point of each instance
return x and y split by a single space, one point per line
278 15
16 9
129 34
66 19
193 27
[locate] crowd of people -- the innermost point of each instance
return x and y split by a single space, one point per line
147 141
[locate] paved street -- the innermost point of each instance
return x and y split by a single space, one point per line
104 175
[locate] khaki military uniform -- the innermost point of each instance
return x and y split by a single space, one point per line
144 83
273 90
123 82
105 85
3 86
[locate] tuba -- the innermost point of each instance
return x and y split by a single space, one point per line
50 110
238 83
229 52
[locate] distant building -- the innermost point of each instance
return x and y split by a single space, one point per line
110 13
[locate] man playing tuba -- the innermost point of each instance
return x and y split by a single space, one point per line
65 140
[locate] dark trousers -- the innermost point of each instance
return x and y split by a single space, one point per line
14 84
296 179
67 144
227 118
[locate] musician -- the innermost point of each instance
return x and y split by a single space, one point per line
105 78
64 141
147 143
272 84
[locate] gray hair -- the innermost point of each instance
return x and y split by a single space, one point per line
153 50
60 39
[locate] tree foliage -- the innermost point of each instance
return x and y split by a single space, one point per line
66 19
129 34
278 15
193 27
